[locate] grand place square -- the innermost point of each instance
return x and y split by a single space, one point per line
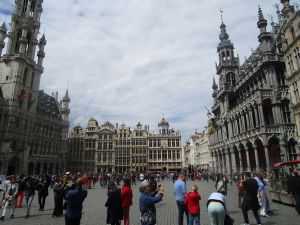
149 112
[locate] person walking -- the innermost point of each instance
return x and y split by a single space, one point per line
21 184
262 195
126 195
250 200
75 199
295 190
180 190
42 193
30 187
10 197
114 204
217 207
192 200
58 198
147 203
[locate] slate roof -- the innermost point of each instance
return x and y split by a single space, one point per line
47 105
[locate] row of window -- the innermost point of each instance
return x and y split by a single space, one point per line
158 154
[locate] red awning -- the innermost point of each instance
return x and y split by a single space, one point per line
289 163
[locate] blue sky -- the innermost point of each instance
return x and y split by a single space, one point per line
135 60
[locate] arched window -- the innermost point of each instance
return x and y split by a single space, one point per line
227 55
27 46
230 79
17 47
286 111
25 76
25 3
223 56
32 8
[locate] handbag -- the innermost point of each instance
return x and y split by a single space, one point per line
228 220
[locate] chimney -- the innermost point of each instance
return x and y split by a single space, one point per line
117 126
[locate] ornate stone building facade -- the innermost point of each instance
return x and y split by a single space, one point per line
196 151
33 125
288 44
251 125
120 149
164 148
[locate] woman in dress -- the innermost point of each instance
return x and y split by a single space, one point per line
114 205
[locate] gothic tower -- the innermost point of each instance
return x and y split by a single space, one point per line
227 69
65 109
19 72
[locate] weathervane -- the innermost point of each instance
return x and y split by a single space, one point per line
221 11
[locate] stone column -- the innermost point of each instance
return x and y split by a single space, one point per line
224 162
228 170
257 116
261 115
248 160
233 163
230 129
267 158
240 159
257 166
251 119
248 121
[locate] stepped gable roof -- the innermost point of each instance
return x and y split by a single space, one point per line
47 105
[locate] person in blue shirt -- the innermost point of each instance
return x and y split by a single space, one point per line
180 190
147 203
75 199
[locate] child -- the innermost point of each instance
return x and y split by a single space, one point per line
192 201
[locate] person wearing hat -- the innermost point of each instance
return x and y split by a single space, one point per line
147 203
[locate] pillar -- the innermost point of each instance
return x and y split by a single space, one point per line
233 162
257 166
261 116
228 170
267 158
248 160
240 159
257 117
251 119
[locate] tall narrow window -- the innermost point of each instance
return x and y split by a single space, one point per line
25 3
17 47
25 76
32 8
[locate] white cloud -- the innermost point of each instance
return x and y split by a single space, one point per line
133 60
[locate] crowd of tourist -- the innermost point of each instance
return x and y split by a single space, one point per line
70 191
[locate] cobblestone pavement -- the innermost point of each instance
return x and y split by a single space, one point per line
95 213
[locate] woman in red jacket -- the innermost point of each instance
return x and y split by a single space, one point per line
126 194
192 200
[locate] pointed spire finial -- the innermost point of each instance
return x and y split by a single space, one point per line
221 12
223 35
260 14
262 22
279 18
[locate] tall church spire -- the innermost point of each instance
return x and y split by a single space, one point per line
262 23
3 32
